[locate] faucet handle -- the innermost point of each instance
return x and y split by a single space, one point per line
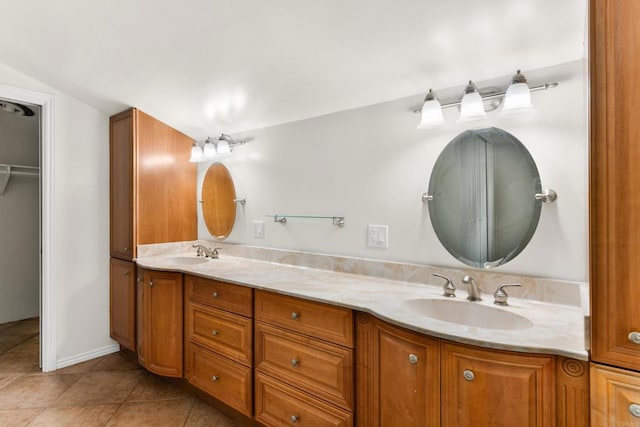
500 296
215 253
200 249
448 289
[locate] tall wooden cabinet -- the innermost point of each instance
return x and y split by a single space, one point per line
159 321
615 211
152 200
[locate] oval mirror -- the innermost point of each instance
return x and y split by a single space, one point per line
483 207
218 205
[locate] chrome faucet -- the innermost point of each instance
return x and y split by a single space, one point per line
206 252
448 290
475 293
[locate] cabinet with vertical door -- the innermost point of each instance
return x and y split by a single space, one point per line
152 200
159 321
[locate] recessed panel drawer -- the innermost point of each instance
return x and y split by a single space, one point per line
234 298
281 405
225 333
316 367
223 379
324 321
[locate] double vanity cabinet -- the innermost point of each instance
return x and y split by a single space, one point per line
282 360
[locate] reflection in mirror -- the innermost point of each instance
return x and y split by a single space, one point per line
484 209
218 205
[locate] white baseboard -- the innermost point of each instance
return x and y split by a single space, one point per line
63 363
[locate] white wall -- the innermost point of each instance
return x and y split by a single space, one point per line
81 187
372 165
19 220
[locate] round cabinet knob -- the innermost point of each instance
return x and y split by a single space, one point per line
215 378
634 337
468 375
634 409
150 283
215 295
214 332
294 419
413 359
294 315
294 362
126 249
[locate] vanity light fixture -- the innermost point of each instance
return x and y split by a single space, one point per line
431 111
471 106
212 148
475 102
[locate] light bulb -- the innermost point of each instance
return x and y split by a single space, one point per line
196 153
431 111
471 107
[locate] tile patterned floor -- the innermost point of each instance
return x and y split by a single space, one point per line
107 391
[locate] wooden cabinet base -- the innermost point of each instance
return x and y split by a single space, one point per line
280 405
615 397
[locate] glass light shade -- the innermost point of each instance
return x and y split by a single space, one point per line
209 150
431 114
223 148
196 154
517 100
471 107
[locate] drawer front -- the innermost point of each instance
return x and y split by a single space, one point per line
322 369
223 379
233 298
225 333
324 321
615 397
280 405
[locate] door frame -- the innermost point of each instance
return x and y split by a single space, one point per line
48 357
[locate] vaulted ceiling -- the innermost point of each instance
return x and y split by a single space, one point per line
207 66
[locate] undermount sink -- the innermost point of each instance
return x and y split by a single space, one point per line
186 260
467 313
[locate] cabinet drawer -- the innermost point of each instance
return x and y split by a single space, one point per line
233 298
324 321
225 333
280 405
319 368
222 378
615 397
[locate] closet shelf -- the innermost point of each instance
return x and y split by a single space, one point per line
7 171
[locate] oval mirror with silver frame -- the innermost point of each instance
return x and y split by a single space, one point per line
218 201
482 197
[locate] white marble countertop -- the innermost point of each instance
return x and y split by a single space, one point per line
556 329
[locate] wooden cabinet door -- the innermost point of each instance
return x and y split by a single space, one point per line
615 182
122 302
121 169
615 397
494 388
160 329
397 375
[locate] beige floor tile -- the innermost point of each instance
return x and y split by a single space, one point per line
115 362
10 341
78 368
8 325
29 327
35 391
18 363
85 416
204 415
100 387
5 380
17 417
152 387
167 413
30 345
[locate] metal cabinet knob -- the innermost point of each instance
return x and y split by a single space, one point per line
634 409
468 375
215 378
215 295
126 249
214 332
294 362
294 315
413 359
294 419
150 283
634 337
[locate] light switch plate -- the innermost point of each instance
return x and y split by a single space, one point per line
258 229
378 236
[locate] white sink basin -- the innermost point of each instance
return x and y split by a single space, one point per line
186 260
467 313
